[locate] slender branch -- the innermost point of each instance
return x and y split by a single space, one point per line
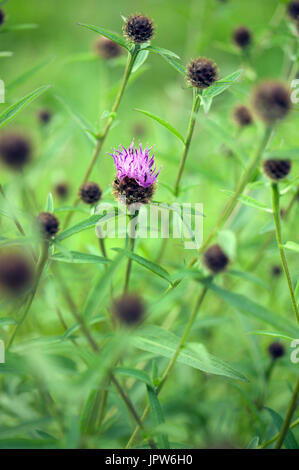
273 439
101 138
40 267
290 412
130 243
195 108
276 215
173 360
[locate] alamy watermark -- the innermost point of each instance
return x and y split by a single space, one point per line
2 92
155 220
2 352
295 92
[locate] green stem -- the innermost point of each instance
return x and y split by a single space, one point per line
39 269
276 215
290 412
101 138
173 360
130 243
195 108
273 439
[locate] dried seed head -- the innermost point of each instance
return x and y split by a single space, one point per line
293 10
15 150
62 189
202 72
106 48
16 273
90 193
242 37
277 169
242 115
276 271
129 309
48 223
276 350
44 116
271 101
2 17
138 29
128 191
215 259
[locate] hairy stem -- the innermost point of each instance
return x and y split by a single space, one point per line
276 215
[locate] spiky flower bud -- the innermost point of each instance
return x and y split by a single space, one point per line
44 116
271 101
202 72
276 271
106 48
242 115
16 273
129 309
2 17
242 37
138 29
62 189
48 223
90 193
15 150
293 10
277 169
215 259
276 350
136 175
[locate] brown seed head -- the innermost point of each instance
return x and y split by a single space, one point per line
139 29
242 37
16 273
276 271
62 189
276 350
271 101
242 115
15 150
106 48
128 191
2 17
215 259
129 309
202 72
293 10
44 116
90 193
277 169
48 223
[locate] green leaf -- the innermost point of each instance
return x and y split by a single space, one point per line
50 204
153 267
291 246
157 416
7 321
249 277
274 334
292 154
108 34
254 443
135 373
161 51
84 225
161 342
140 59
14 109
29 73
163 123
176 65
79 119
17 27
219 87
249 201
248 307
289 441
77 257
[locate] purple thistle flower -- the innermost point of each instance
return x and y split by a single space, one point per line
135 163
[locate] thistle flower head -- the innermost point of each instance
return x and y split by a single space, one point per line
106 48
2 17
215 259
271 101
276 270
16 272
242 115
136 174
48 223
129 309
202 72
242 37
138 29
276 350
62 189
44 116
15 150
293 10
90 193
277 169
